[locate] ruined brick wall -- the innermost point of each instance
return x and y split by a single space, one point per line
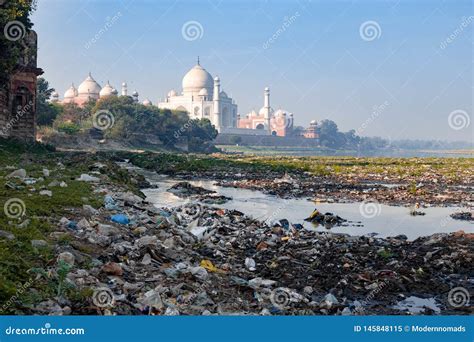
18 98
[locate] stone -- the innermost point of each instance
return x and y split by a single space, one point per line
6 235
46 172
20 173
112 268
88 178
48 193
39 243
67 257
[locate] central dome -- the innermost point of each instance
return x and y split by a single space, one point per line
89 86
196 79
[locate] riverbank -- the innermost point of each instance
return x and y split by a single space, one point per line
82 239
392 181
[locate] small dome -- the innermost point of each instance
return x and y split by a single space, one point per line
135 93
89 86
71 92
107 90
115 92
253 113
55 94
313 123
223 94
203 92
147 102
196 79
172 93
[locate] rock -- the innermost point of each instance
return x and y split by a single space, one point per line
6 235
112 268
20 173
63 184
46 172
39 243
48 193
146 259
67 257
88 178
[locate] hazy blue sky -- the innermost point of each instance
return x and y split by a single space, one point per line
404 83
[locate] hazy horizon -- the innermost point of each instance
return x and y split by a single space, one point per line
395 69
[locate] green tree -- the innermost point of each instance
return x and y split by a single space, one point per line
10 49
46 112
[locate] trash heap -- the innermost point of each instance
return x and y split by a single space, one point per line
129 257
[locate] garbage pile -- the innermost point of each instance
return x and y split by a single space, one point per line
197 193
134 258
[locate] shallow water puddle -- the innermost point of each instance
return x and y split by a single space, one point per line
417 305
382 220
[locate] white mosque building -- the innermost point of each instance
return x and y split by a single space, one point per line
89 90
203 98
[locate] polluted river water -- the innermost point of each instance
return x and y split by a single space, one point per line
363 219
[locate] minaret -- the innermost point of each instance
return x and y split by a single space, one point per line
124 89
266 105
217 113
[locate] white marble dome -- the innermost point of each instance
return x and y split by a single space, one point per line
71 92
172 93
89 86
147 102
107 90
196 79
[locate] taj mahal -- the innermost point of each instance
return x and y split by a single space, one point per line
202 98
